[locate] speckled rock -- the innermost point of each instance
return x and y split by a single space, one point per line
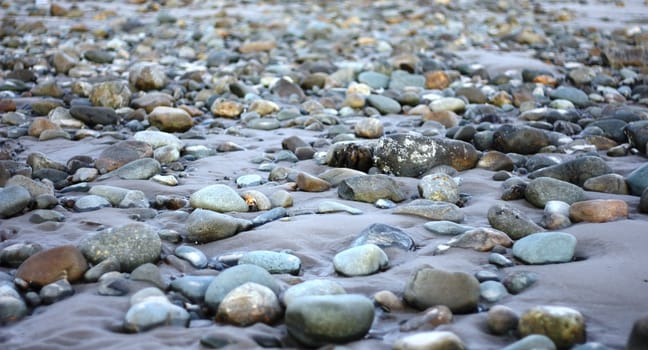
511 221
249 303
207 226
563 325
428 287
273 262
543 189
439 187
362 260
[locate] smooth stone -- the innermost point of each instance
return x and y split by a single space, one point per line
112 94
48 266
158 139
235 276
545 248
428 287
433 340
132 245
35 188
388 301
281 198
511 221
517 281
544 189
40 125
401 79
309 183
269 216
608 183
249 180
502 320
591 346
369 128
446 228
643 202
192 287
413 155
151 100
117 155
532 342
206 226
150 314
256 200
575 171
492 291
248 304
499 260
149 273
430 318
91 203
482 239
9 168
336 207
598 210
519 139
574 95
384 236
324 319
637 135
141 169
94 273
273 262
439 187
336 175
227 109
134 199
15 254
637 180
452 104
193 255
170 119
12 309
361 260
375 80
263 108
638 337
563 325
311 288
113 194
56 291
39 161
13 199
384 104
264 124
556 215
370 188
92 116
495 161
432 210
220 198
147 76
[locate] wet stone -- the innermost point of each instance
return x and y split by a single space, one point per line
428 287
235 276
311 288
193 255
519 139
545 248
192 287
383 104
637 180
502 320
432 210
273 262
434 340
220 198
533 341
481 239
13 199
384 236
360 260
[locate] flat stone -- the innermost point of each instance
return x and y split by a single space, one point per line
91 203
545 248
220 198
92 116
335 207
599 210
273 262
432 210
361 260
384 104
384 236
48 266
517 281
309 183
446 228
428 287
206 226
141 169
563 325
370 188
519 139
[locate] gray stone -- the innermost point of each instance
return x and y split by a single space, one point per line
374 79
336 207
35 188
17 253
446 228
249 180
92 116
370 188
401 79
432 210
249 303
264 124
384 236
574 95
492 291
511 221
272 262
608 183
153 313
193 255
235 276
132 245
147 76
361 260
637 134
384 104
575 171
13 199
532 342
428 287
545 248
643 202
318 320
205 226
11 309
517 281
39 216
439 187
269 216
310 288
638 180
220 198
141 169
56 291
110 264
149 273
544 189
519 139
91 203
192 287
158 139
481 239
499 260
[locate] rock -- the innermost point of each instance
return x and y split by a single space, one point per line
563 325
575 171
249 180
492 291
92 116
141 169
323 319
9 168
285 89
369 128
412 155
429 318
193 255
643 202
122 153
439 187
452 104
517 281
448 119
428 287
91 203
401 79
40 126
147 76
257 46
432 210
248 304
521 139
637 134
532 342
281 199
114 195
13 199
481 239
384 104
158 139
335 207
310 183
370 188
513 188
56 291
545 248
637 180
499 260
608 183
156 312
151 100
132 245
574 95
298 146
35 188
11 309
502 320
206 226
511 221
446 228
272 262
544 189
263 107
384 236
15 254
149 273
236 276
169 119
434 340
110 264
227 109
389 301
269 216
374 79
220 198
48 266
311 288
63 62
361 260
350 155
192 287
495 161
113 94
555 215
638 337
598 210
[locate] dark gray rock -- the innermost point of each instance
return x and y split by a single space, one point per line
56 291
543 189
576 96
519 139
92 116
639 335
384 236
370 188
575 171
511 221
638 180
517 281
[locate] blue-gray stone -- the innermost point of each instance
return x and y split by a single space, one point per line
13 199
361 260
576 96
153 313
374 79
193 255
192 287
532 342
638 180
401 79
56 291
269 216
446 228
234 277
545 248
273 262
518 281
312 287
544 189
492 291
91 203
384 104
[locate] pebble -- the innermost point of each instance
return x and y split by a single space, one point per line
517 281
220 198
361 260
608 183
156 312
273 262
335 207
575 171
311 288
56 291
439 187
563 325
269 216
370 188
544 189
249 303
637 134
122 153
192 287
193 255
93 116
141 169
112 94
369 128
637 180
492 291
545 248
432 210
15 254
499 260
384 236
388 301
384 104
309 183
598 210
511 221
235 276
519 139
531 342
12 309
94 273
323 319
206 226
147 76
502 320
574 95
481 239
13 199
434 340
169 119
446 228
427 287
49 266
249 180
643 202
91 203
430 318
158 139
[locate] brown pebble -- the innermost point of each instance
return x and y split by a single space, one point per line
388 301
437 80
502 320
7 106
598 210
429 319
39 125
310 183
52 265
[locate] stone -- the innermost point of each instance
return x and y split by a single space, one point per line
370 188
311 288
643 202
281 198
350 155
248 304
193 255
608 183
323 319
428 287
637 180
56 291
574 95
502 320
545 248
35 188
326 207
361 260
94 273
15 254
439 187
48 266
40 125
169 119
273 262
495 161
492 291
132 245
432 210
147 76
384 236
401 79
158 139
9 168
220 198
375 80
575 171
452 104
517 281
638 337
429 318
482 239
156 312
113 94
309 183
563 325
598 210
369 128
532 342
192 287
389 301
511 221
544 189
437 80
117 155
227 109
434 340
236 276
285 89
206 226
446 228
141 169
413 155
149 273
92 116
150 100
13 199
257 46
637 135
91 203
384 104
263 107
11 309
521 139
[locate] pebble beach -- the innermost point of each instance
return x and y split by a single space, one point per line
437 175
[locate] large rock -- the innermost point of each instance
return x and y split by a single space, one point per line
519 139
319 320
220 198
370 188
545 248
544 189
206 226
48 266
170 119
236 276
512 221
563 325
428 287
413 155
133 245
576 171
362 260
638 180
13 199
